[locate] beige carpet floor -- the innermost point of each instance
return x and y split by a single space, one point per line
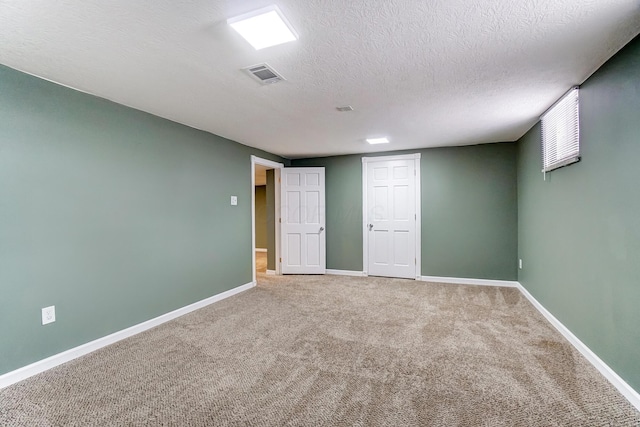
333 351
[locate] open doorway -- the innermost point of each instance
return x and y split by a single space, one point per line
264 218
265 209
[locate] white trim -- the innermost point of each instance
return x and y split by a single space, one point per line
276 177
261 250
277 173
271 272
418 212
265 162
625 389
345 273
466 281
418 218
42 365
365 231
390 158
57 359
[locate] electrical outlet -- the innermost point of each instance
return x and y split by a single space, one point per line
520 264
234 200
48 314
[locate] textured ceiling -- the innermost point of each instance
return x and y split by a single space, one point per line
424 73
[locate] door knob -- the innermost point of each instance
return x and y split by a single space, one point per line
321 229
370 227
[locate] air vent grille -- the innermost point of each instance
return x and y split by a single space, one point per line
264 74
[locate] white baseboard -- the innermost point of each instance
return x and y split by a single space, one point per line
35 368
261 250
271 272
344 273
625 389
466 281
57 359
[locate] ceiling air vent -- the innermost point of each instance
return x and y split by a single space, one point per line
264 74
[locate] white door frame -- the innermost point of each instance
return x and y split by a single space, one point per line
365 234
277 167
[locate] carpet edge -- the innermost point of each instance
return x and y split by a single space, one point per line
621 385
42 365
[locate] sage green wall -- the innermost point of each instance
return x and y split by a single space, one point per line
261 216
469 210
343 208
579 231
110 214
271 221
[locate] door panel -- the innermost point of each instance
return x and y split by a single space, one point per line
292 198
293 243
400 248
313 207
391 218
401 204
313 252
303 221
380 244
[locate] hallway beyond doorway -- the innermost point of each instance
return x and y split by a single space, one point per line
261 262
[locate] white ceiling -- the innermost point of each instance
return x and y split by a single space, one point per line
423 73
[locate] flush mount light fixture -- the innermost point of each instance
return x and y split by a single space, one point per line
264 27
372 141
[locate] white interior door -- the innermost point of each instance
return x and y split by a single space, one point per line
303 221
391 217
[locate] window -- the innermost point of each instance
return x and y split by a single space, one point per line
561 133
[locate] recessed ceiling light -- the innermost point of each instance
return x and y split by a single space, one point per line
378 140
264 27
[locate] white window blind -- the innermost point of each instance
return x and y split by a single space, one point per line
561 132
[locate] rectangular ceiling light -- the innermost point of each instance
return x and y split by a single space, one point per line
264 27
377 140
